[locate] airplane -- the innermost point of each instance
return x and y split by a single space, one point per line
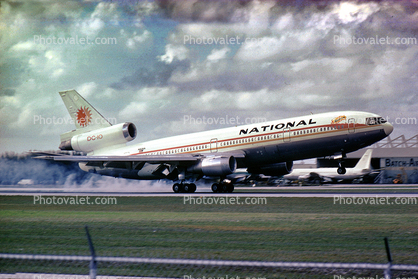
362 168
267 148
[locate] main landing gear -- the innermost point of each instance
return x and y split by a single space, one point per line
223 187
341 166
184 187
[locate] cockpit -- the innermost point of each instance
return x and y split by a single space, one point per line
375 120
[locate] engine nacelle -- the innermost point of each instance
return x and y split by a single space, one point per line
214 166
100 138
273 169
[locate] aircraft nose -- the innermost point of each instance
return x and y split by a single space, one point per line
388 128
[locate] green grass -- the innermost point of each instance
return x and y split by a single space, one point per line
285 229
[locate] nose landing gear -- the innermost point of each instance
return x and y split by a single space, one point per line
341 166
341 169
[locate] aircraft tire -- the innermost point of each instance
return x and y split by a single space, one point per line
341 170
215 188
224 187
230 188
189 188
176 188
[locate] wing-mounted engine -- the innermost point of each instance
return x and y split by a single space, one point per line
214 166
100 138
273 169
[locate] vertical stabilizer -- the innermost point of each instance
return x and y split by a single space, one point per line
84 115
365 160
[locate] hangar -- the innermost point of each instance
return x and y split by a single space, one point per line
397 160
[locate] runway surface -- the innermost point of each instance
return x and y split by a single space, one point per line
348 190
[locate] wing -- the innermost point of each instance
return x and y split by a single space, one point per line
152 159
162 166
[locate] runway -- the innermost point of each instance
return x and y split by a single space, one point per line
347 190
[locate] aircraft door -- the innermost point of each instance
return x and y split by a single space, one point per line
286 135
351 125
214 145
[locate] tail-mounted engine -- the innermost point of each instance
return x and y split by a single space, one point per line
215 166
100 138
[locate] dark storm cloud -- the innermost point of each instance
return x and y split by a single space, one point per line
7 92
230 11
194 10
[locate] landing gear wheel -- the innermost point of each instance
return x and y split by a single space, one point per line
215 187
341 170
177 187
224 188
192 188
189 188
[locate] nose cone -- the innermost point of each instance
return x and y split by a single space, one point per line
388 128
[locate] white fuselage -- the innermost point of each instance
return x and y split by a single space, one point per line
352 173
310 128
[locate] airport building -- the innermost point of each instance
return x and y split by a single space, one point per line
397 160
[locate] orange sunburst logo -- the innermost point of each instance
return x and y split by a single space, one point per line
84 116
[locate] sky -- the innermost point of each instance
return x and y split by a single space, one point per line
174 67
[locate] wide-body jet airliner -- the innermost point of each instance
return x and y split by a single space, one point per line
361 169
267 148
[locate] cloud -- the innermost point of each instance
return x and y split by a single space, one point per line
216 54
87 89
172 52
156 75
132 42
292 57
134 110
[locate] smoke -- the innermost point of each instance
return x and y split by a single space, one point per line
95 182
17 168
23 170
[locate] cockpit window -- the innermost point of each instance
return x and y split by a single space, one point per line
375 120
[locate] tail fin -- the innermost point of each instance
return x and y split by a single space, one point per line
365 160
84 115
